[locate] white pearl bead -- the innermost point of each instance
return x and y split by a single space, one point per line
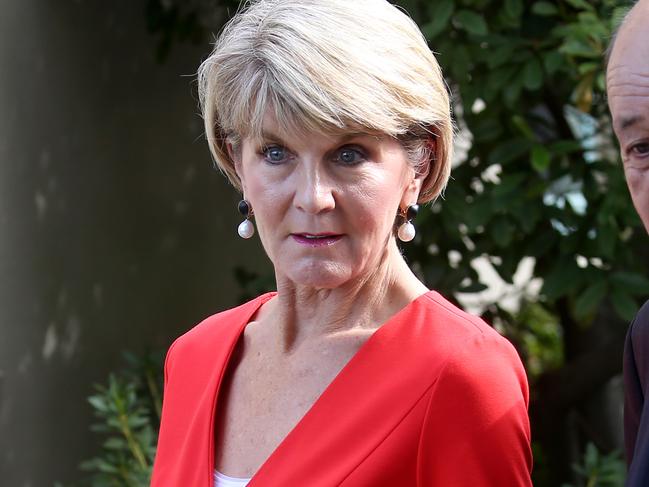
406 232
246 229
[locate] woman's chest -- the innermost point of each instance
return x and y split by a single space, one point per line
350 439
262 401
365 425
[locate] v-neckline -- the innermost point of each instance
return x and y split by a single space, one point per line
313 409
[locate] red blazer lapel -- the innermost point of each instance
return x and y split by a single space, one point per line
194 370
371 395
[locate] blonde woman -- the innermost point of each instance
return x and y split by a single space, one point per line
333 120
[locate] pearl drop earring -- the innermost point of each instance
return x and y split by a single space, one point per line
246 228
407 230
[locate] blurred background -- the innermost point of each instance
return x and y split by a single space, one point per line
115 231
117 234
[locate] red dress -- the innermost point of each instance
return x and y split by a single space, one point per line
435 397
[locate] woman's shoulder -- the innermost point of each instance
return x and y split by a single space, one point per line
457 326
467 343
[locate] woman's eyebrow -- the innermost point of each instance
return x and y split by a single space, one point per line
353 135
267 135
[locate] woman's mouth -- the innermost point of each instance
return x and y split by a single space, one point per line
316 239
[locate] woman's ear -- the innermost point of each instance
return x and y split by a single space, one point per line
423 168
411 193
234 149
419 173
234 153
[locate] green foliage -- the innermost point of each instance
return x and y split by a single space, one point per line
597 470
528 81
541 338
541 179
128 411
191 21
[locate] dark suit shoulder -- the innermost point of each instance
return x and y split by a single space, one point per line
643 314
640 325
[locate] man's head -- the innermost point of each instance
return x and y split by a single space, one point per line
628 99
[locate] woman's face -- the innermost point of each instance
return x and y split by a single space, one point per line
325 206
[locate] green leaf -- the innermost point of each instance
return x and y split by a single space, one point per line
566 147
521 124
577 47
472 22
508 193
115 443
477 214
580 4
591 457
502 232
498 80
588 300
440 13
461 62
511 95
607 237
624 304
99 403
589 19
562 279
540 157
589 67
528 214
137 421
552 61
544 9
600 81
514 8
633 283
500 56
499 77
486 129
533 75
104 466
508 150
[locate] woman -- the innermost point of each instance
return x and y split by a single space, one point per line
332 118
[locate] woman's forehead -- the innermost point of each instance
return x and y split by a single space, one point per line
301 127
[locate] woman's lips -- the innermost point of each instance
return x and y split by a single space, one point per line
316 239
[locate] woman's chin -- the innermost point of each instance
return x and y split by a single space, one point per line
319 275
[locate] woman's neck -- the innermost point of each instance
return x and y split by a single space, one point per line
304 314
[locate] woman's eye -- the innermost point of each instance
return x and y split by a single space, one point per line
349 156
275 154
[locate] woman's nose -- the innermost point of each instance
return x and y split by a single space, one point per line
314 191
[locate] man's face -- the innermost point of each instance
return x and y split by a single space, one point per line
628 100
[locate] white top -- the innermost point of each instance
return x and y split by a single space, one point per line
221 480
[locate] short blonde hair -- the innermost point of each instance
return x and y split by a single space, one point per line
328 66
